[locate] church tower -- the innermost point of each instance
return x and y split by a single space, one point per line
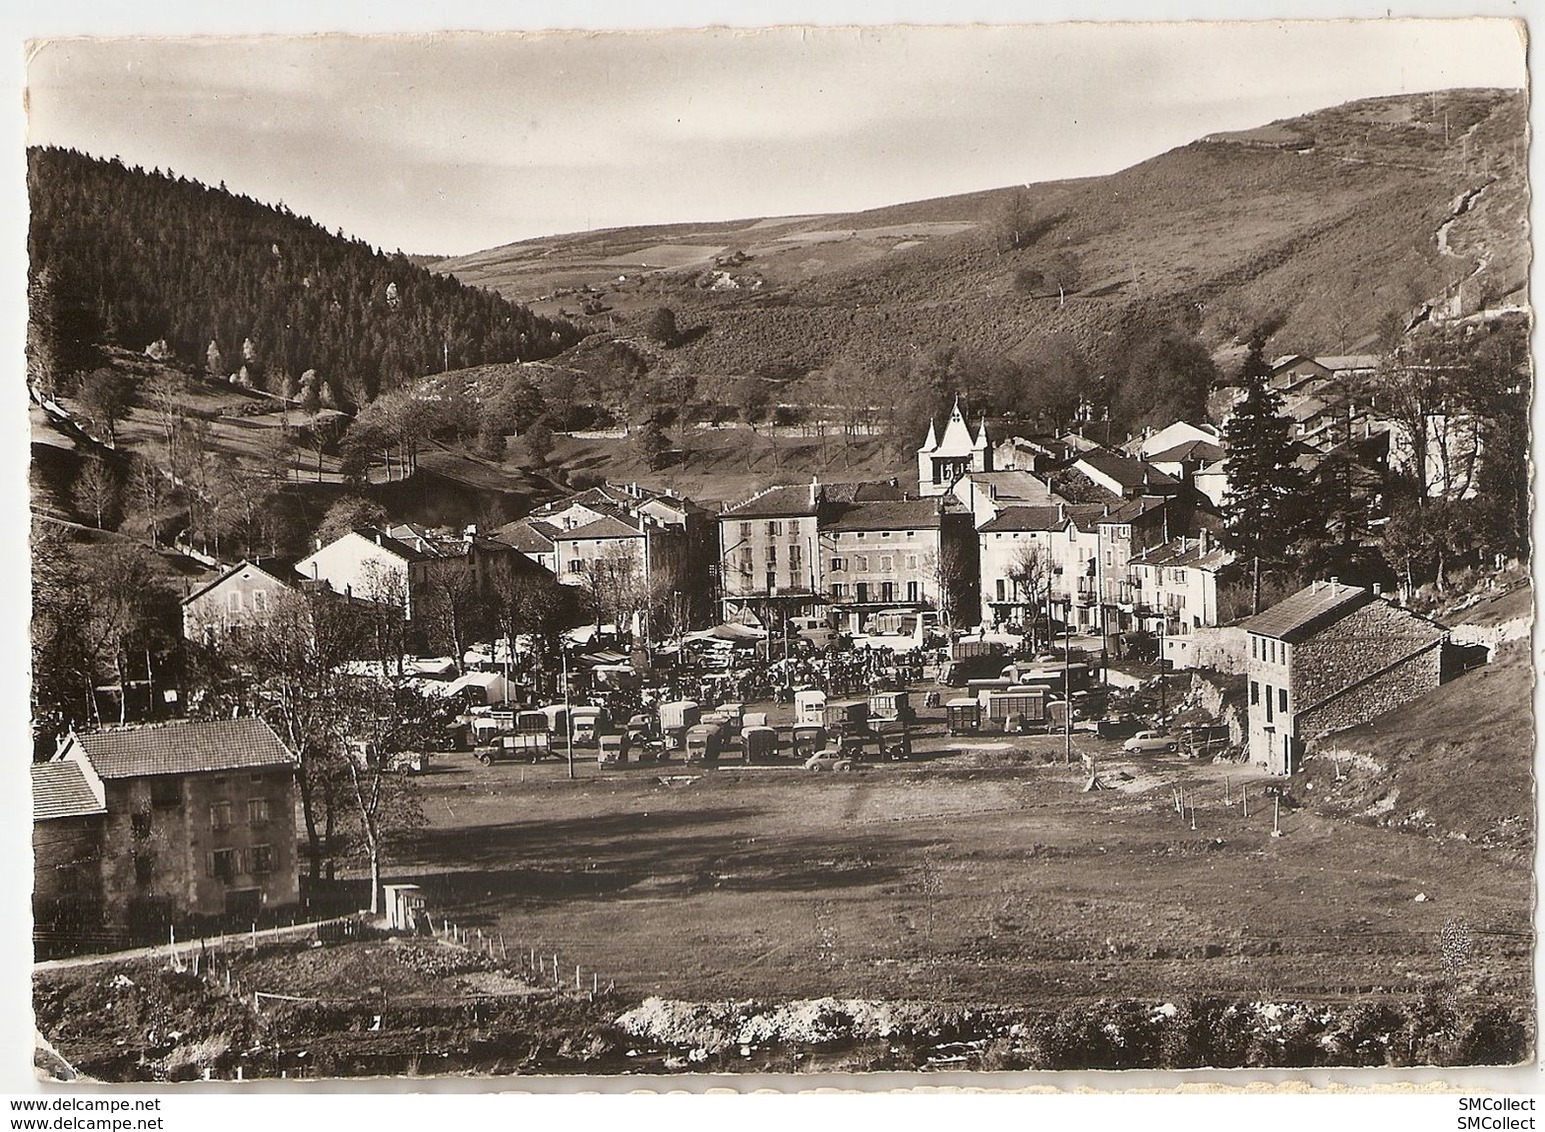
944 459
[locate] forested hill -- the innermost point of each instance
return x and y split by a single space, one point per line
130 257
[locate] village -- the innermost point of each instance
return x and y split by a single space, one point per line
1075 624
980 612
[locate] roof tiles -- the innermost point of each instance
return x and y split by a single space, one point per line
187 747
60 790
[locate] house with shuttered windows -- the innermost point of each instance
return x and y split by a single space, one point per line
177 823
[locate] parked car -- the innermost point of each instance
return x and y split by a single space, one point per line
1145 742
832 758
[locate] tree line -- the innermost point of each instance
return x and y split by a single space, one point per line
244 290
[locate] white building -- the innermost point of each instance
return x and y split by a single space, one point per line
369 564
1175 591
943 460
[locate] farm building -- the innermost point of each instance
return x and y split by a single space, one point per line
1329 657
137 828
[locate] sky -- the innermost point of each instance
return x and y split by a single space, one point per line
447 144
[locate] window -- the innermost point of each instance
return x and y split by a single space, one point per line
794 579
887 563
837 565
885 534
144 868
836 591
1282 699
911 562
1268 703
861 592
794 526
165 792
224 864
912 594
861 563
262 859
887 592
772 554
772 581
259 601
1254 651
774 527
794 557
140 824
1255 693
745 530
860 534
1002 595
257 811
233 601
219 815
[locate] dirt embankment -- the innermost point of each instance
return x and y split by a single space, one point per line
413 1008
1413 769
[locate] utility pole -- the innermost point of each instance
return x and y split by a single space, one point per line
568 723
1067 685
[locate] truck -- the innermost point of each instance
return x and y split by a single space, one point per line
971 660
810 706
1026 706
519 746
704 743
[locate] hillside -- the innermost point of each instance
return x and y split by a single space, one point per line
1410 769
236 287
1341 222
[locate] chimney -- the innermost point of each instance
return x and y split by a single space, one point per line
378 538
1062 512
318 542
1203 543
815 490
1378 589
1334 581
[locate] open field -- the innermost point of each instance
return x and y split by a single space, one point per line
985 876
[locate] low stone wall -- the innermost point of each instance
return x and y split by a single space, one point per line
1222 649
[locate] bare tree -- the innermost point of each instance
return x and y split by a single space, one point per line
1029 569
295 660
383 717
946 570
451 604
97 491
385 591
617 583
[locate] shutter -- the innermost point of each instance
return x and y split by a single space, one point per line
209 862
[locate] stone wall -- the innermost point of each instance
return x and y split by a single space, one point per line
1355 649
1223 649
1391 688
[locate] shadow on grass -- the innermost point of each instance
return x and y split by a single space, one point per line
482 871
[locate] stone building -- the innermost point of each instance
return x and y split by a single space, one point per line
178 823
1329 657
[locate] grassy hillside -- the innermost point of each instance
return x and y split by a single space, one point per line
1331 220
1411 769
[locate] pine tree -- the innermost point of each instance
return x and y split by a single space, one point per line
1264 508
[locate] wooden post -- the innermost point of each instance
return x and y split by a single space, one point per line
595 985
556 976
1225 790
576 978
1244 801
1276 809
